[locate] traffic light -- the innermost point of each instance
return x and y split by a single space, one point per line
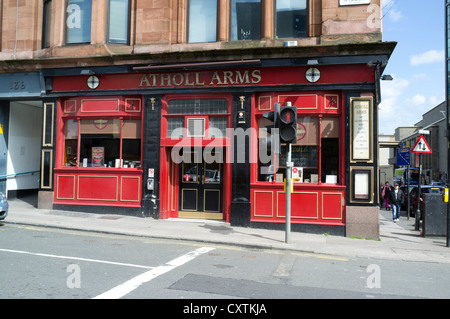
272 130
288 124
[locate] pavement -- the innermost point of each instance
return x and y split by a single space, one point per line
398 241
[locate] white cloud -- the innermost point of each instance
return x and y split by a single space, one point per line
395 15
393 89
435 100
432 56
393 109
417 100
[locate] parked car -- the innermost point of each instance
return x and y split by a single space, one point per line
4 206
424 189
405 202
438 183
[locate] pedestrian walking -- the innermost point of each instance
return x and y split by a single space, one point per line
385 193
396 197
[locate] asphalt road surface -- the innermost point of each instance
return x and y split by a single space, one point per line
48 263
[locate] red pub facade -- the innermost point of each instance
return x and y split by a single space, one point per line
187 140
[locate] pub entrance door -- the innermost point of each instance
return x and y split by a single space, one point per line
201 185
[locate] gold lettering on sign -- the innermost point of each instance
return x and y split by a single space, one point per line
194 78
216 78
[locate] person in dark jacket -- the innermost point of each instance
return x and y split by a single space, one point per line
396 199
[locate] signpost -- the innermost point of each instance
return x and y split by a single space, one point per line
421 147
404 159
403 156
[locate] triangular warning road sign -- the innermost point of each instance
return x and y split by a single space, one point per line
421 146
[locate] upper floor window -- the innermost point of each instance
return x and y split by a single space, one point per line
202 21
118 21
245 20
78 21
291 18
46 24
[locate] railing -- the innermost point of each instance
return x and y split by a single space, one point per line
18 174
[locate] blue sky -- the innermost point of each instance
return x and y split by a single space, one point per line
417 64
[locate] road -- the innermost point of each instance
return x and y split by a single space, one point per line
49 263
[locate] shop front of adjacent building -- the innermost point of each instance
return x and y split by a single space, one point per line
189 141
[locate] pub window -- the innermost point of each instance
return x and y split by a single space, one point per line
78 21
103 143
179 110
202 21
245 20
291 18
330 150
46 24
118 21
315 140
71 143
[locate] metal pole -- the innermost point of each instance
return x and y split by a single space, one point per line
407 192
418 193
447 118
288 193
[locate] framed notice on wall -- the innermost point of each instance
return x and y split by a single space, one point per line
361 130
361 184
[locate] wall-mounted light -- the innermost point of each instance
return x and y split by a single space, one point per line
387 77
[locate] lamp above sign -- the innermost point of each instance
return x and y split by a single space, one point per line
353 2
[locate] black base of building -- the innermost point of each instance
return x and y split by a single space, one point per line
240 213
303 228
102 210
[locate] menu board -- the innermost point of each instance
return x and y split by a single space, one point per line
98 156
302 156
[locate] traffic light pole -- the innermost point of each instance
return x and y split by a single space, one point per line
289 165
417 217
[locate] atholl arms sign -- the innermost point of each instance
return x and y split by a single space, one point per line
201 79
215 78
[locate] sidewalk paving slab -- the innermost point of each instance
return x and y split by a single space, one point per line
398 241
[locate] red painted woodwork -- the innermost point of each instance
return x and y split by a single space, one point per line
130 106
169 170
314 102
103 105
310 204
331 202
104 187
66 187
97 187
91 185
217 78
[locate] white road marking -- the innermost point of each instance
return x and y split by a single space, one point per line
75 258
130 285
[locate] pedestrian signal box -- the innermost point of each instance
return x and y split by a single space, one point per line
288 124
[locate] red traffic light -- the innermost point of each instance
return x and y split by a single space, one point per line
288 115
288 124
